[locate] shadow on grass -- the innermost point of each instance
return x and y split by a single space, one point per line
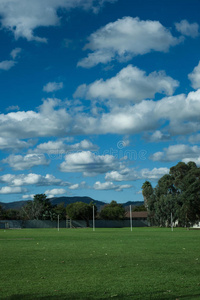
75 296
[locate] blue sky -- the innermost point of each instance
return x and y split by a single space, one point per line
96 96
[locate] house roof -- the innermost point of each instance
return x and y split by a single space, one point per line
137 214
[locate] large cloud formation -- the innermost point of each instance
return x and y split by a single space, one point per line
22 17
54 120
89 164
182 152
126 38
129 85
31 179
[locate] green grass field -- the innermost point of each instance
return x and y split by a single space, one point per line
147 263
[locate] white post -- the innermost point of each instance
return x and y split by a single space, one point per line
58 223
131 219
171 222
93 220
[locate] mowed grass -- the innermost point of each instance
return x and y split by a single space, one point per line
147 263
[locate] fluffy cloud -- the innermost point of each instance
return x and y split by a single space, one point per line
123 175
153 174
196 160
110 186
8 64
157 136
19 162
178 152
31 179
53 86
53 120
133 175
88 163
58 148
22 17
31 196
194 77
185 28
14 144
52 193
130 84
126 38
50 120
146 115
12 190
77 186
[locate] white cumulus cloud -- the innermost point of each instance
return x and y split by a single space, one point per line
53 119
12 190
19 162
130 84
110 186
88 163
54 192
8 64
188 29
178 152
52 87
50 120
77 186
126 38
14 144
157 136
22 17
132 174
194 77
31 179
59 147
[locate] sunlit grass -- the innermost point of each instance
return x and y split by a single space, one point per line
147 263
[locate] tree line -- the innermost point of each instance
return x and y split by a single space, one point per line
176 195
41 208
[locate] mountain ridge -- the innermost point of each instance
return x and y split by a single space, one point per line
67 200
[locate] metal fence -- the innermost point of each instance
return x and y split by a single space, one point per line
17 224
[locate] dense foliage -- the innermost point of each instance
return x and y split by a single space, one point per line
176 194
113 211
81 211
139 208
40 208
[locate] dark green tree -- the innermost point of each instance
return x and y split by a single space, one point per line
113 211
149 201
178 193
59 210
139 208
81 211
39 208
188 186
147 192
2 213
12 214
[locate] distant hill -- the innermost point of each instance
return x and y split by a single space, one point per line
13 205
68 200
